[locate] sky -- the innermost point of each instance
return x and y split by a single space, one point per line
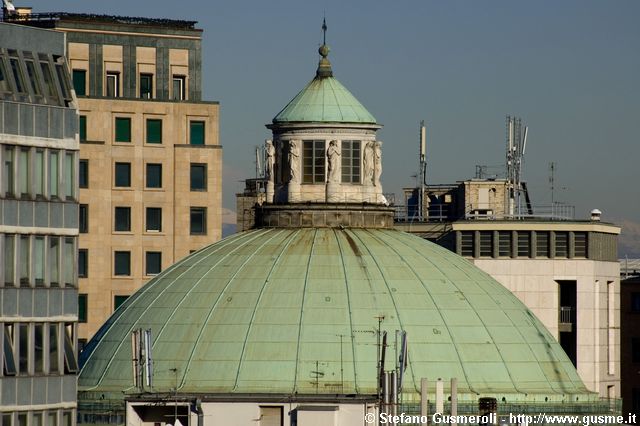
570 70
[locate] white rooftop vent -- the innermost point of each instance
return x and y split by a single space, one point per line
595 215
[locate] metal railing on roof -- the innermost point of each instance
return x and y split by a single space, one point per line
87 17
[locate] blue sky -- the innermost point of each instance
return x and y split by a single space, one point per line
569 69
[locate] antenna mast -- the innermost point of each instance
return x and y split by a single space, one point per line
516 145
422 175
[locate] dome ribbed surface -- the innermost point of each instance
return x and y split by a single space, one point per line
324 100
283 311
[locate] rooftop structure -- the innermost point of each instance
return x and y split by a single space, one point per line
565 270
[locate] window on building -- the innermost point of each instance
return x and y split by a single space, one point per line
486 243
23 348
542 244
635 349
69 256
154 130
69 175
9 259
82 343
313 160
198 177
54 261
17 75
123 175
82 128
153 262
154 175
467 243
33 78
635 302
178 92
350 153
122 263
113 84
8 346
24 261
8 171
54 349
24 183
54 177
38 350
504 243
123 129
198 217
83 174
38 260
524 244
122 222
82 307
196 132
38 172
64 82
580 244
83 263
562 244
83 219
4 81
36 418
49 83
154 219
70 360
80 82
146 86
118 300
22 419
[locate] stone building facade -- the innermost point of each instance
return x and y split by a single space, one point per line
150 158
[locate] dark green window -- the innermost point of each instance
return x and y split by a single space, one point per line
123 129
198 177
154 219
146 86
118 300
196 132
123 175
83 220
82 128
83 174
198 216
82 308
122 263
154 262
80 82
154 131
154 175
122 219
83 261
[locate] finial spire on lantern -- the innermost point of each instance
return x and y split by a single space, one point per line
324 67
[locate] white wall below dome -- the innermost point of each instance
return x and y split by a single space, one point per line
257 413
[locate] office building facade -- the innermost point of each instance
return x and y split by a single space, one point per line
38 229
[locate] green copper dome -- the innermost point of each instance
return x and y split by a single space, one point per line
285 311
324 100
